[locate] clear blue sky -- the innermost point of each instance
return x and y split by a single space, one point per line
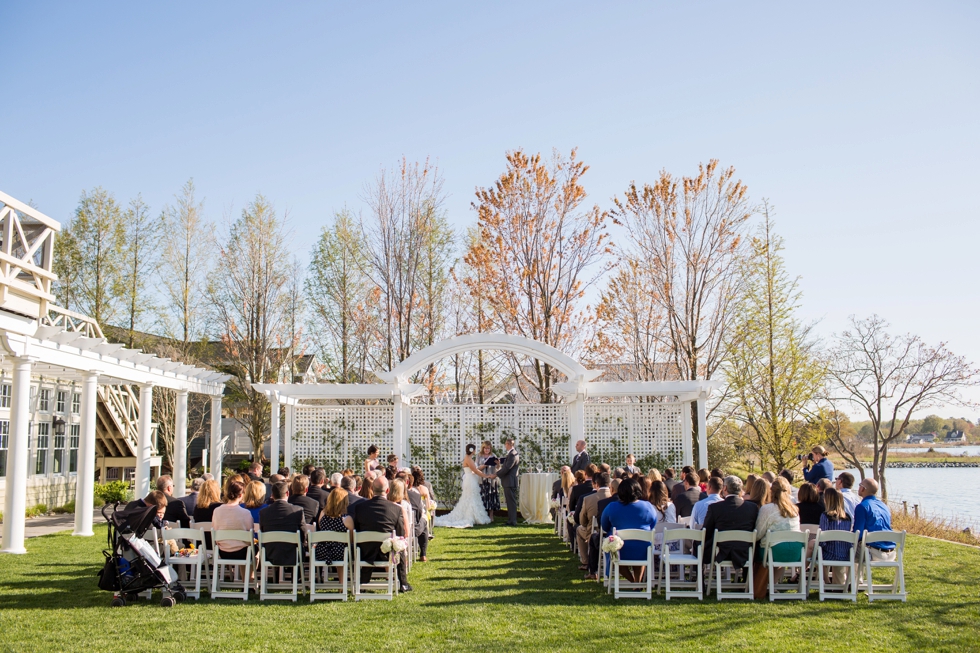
859 121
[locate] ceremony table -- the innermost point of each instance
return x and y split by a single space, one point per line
535 497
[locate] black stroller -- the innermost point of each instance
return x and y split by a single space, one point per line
131 564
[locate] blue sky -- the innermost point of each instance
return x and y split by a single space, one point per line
859 121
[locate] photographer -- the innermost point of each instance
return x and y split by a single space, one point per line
818 466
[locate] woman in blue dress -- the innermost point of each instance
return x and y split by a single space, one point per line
631 511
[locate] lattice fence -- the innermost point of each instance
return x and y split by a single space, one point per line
650 431
337 437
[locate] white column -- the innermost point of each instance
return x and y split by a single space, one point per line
686 435
273 436
398 431
576 424
15 497
406 433
287 456
85 480
217 459
703 431
144 445
180 445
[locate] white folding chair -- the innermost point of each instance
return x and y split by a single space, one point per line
205 528
777 590
220 588
318 567
684 521
740 590
895 591
626 589
819 566
658 541
390 586
274 589
194 564
668 559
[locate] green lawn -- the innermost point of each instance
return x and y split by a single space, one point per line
492 588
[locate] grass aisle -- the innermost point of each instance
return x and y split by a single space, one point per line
490 588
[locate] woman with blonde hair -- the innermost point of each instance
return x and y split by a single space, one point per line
334 518
254 499
208 498
567 481
780 514
760 494
654 475
749 484
834 518
396 494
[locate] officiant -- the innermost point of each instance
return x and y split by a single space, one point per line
488 463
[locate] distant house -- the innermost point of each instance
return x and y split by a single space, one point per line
920 438
955 437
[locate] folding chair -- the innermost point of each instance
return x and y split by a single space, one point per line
317 566
797 590
205 528
268 590
659 530
152 537
684 521
896 590
626 589
221 565
195 564
817 565
390 586
742 590
693 589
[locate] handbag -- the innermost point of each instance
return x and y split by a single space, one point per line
760 580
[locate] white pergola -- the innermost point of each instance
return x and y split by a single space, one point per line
67 350
580 386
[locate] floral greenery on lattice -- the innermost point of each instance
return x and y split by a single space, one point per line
333 444
541 447
442 471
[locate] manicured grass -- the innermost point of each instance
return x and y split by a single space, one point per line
492 589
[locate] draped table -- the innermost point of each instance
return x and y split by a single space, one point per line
535 497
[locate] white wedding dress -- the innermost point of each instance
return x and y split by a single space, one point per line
469 509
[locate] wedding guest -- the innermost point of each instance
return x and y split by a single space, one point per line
371 463
872 515
420 485
844 483
348 472
421 522
335 480
823 485
749 484
788 475
647 483
604 467
367 491
594 543
419 477
808 504
679 486
818 466
297 497
334 518
760 492
137 509
703 476
631 464
779 515
582 490
835 518
396 494
190 500
630 512
669 479
689 495
488 463
284 472
557 488
581 459
700 511
379 515
618 472
275 478
717 473
589 512
208 499
732 513
568 481
663 509
229 516
317 491
176 512
281 516
234 478
349 485
254 499
770 478
654 475
255 471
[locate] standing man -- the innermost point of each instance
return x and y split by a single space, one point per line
581 459
508 479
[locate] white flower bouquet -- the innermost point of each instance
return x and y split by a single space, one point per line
394 545
612 544
555 505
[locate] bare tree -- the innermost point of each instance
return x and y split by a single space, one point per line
139 263
688 235
889 378
186 240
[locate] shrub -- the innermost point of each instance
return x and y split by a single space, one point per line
68 508
36 511
112 492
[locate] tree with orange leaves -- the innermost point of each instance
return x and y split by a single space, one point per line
539 249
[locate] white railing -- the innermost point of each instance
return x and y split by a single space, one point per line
71 321
26 258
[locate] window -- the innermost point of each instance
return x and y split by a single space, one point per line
61 402
112 473
58 460
44 400
76 403
4 436
73 431
41 452
5 395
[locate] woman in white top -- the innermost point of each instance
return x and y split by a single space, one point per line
779 515
231 516
664 510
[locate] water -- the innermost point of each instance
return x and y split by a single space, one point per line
969 450
940 492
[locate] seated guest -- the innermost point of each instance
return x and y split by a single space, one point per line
654 475
308 469
749 484
367 491
335 480
702 483
556 487
872 515
770 478
137 510
732 513
717 473
397 495
808 504
421 523
669 480
689 495
818 466
207 500
229 516
568 481
663 509
700 510
255 472
834 518
190 500
581 488
297 497
630 512
176 512
281 516
316 490
379 515
349 484
779 515
594 540
844 483
788 475
589 511
760 492
631 465
678 487
275 478
822 485
283 471
334 518
254 499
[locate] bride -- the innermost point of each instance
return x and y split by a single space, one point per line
469 509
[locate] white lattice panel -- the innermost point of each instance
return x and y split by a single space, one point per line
435 444
607 432
337 437
656 428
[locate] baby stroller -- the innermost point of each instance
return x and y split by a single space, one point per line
131 564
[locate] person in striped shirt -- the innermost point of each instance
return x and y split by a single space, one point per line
835 518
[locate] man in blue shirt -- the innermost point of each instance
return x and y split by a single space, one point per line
822 466
844 483
700 510
872 515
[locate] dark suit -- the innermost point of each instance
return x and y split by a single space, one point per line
684 502
351 500
421 523
507 475
671 483
580 461
283 517
556 489
576 493
319 495
378 515
177 512
190 502
731 514
310 507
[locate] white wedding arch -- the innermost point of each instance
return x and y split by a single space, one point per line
645 418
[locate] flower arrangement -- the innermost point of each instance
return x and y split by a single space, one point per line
555 504
394 545
612 544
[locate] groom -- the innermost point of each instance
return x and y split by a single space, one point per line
508 479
